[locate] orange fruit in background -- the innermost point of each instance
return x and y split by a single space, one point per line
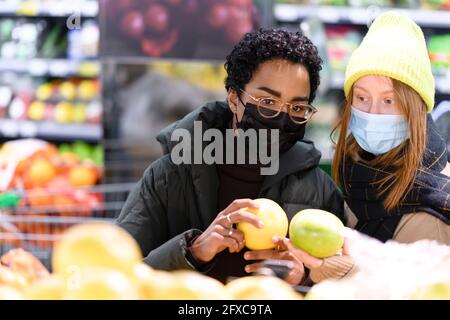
39 197
40 172
82 176
69 159
22 166
59 185
84 202
63 204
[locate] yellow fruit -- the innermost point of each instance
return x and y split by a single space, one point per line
435 291
261 288
95 244
152 284
80 113
185 285
9 293
68 90
64 112
87 90
101 284
275 224
143 272
36 111
334 290
44 91
50 288
142 276
12 279
317 232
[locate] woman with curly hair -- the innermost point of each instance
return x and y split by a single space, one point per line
183 215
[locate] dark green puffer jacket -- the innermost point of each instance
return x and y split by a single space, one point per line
171 204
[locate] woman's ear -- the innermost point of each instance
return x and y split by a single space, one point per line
233 100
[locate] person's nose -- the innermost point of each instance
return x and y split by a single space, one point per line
375 107
285 107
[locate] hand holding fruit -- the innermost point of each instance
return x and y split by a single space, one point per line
282 252
313 233
300 256
221 234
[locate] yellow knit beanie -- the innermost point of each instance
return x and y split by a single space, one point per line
394 47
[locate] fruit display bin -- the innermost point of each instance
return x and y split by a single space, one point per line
36 229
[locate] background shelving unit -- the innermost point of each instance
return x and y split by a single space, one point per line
357 15
50 91
50 70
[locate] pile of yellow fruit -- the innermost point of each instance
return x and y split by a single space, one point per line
101 261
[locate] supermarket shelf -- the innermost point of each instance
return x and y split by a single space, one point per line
67 132
442 82
52 67
360 16
30 8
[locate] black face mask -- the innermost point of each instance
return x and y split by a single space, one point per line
289 131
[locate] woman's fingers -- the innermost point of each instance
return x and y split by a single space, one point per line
240 204
241 216
230 243
233 234
279 242
250 268
267 254
296 274
310 261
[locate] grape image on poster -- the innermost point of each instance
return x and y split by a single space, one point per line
184 29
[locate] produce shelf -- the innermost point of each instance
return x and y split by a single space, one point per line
52 67
360 16
50 130
85 8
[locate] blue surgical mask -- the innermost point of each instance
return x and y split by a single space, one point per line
378 133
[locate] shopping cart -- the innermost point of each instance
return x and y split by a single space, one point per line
36 228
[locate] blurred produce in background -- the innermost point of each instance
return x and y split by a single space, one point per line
200 29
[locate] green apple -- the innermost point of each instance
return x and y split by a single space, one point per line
317 232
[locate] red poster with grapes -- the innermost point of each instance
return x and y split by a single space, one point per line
181 29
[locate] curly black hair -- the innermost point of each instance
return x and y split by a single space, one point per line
267 44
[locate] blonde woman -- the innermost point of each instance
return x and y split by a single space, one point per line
390 161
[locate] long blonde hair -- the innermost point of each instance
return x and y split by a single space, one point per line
403 160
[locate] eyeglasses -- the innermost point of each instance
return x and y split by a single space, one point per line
270 108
